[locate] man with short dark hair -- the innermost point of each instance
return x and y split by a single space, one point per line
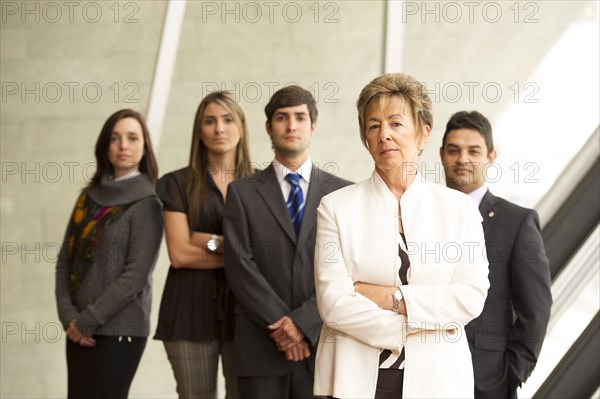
506 339
270 230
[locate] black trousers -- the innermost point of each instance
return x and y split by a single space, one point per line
104 371
297 384
389 384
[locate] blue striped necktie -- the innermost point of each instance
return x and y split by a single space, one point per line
295 201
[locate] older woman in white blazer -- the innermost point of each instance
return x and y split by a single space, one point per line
399 264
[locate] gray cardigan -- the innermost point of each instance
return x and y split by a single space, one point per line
114 298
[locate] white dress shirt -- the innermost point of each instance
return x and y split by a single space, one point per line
478 194
286 187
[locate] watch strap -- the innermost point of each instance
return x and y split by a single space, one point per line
396 298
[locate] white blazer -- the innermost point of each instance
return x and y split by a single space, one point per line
357 240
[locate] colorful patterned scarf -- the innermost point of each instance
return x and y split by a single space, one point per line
87 226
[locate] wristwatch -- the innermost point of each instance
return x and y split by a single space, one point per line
397 297
213 244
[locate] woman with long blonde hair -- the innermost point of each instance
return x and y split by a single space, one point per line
196 312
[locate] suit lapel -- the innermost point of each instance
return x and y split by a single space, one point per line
316 190
269 190
488 210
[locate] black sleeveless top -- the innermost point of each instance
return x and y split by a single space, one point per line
195 303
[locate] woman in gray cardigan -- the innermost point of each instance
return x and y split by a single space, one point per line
104 269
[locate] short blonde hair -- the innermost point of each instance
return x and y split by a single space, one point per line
399 85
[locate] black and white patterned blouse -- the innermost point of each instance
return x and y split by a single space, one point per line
387 359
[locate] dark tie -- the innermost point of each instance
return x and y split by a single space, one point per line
295 201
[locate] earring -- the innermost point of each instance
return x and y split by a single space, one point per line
420 151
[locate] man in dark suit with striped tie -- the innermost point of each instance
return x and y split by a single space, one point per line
269 230
506 339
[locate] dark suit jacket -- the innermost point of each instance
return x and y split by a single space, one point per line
270 271
507 337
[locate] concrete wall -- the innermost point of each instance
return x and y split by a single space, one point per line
66 66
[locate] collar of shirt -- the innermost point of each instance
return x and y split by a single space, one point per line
304 171
128 176
478 194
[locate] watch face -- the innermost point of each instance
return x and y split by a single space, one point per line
212 245
397 295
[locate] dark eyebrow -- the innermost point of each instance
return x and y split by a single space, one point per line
456 146
129 132
225 115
